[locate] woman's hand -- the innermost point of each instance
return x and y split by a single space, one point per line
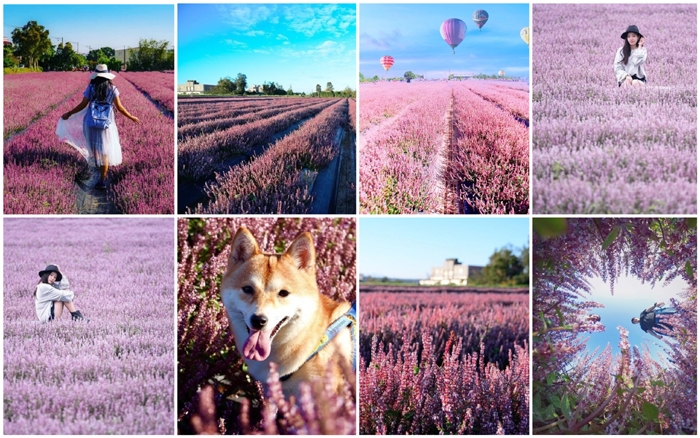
135 120
66 116
641 42
628 80
659 304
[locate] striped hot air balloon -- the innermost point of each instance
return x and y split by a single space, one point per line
453 31
501 73
480 17
387 62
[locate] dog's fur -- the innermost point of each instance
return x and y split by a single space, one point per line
255 284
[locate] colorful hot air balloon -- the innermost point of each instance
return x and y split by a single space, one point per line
480 18
501 73
387 62
525 35
453 31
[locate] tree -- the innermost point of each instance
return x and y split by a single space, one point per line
151 55
409 75
225 86
504 268
32 43
240 82
318 89
329 87
362 77
8 57
290 92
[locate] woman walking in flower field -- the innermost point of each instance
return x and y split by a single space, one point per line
94 132
52 295
629 61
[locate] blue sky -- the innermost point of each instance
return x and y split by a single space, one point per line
631 297
97 26
407 247
410 33
297 45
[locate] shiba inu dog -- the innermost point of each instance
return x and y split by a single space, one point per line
277 313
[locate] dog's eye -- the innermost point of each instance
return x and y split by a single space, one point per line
283 293
248 290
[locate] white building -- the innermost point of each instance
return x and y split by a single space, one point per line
452 272
193 87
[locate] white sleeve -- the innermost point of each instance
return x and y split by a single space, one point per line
64 284
47 292
639 56
620 72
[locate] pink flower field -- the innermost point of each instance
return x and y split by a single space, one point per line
262 155
601 149
40 173
113 374
443 363
444 147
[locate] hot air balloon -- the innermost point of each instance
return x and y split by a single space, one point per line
387 62
453 31
501 73
480 18
525 35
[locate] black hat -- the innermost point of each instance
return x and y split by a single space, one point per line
631 28
51 268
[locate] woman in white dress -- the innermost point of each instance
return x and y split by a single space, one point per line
630 58
100 140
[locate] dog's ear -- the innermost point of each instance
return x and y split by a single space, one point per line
243 246
302 252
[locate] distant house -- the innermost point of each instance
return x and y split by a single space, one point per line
452 272
255 89
193 87
6 41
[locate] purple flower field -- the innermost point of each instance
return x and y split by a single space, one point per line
40 172
207 355
601 149
444 147
113 374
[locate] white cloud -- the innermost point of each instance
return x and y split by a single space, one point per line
243 18
254 33
312 19
235 44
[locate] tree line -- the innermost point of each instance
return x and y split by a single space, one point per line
239 86
32 49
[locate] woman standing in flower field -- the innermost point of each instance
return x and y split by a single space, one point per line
629 61
52 295
97 139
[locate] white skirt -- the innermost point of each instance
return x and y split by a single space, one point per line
97 146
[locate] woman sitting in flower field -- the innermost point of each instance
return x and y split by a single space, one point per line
629 61
96 138
52 295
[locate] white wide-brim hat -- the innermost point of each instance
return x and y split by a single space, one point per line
102 71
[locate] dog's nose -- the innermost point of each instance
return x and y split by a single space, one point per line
258 321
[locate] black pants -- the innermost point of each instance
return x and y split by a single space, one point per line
634 77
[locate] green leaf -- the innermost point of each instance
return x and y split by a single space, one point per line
549 227
651 412
550 378
692 222
561 317
611 238
689 269
416 369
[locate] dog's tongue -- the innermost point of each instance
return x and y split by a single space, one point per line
257 346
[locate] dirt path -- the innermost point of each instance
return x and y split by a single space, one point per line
346 196
91 200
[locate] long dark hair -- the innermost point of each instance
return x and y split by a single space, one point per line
101 87
44 279
627 49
